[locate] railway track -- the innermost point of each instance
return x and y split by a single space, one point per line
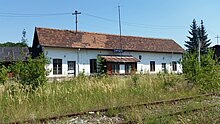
180 113
170 101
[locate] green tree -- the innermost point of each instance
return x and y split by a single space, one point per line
8 44
203 36
192 44
191 67
198 35
206 76
24 39
23 42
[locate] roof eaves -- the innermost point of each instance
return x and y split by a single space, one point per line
70 47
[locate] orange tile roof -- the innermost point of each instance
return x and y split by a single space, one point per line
88 40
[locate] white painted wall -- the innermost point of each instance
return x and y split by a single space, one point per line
83 56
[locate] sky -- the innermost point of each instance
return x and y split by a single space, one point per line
146 18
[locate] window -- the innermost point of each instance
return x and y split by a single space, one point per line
93 66
152 65
57 66
164 67
140 57
115 68
122 69
128 68
174 64
71 67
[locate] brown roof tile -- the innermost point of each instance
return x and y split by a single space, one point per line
67 38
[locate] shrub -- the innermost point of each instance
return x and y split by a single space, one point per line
3 74
135 79
102 70
169 80
191 67
31 73
204 74
209 73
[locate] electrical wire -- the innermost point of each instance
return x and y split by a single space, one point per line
139 25
135 24
98 17
31 15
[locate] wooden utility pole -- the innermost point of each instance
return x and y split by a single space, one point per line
217 37
76 14
119 23
199 50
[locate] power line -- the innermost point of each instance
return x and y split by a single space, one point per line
28 15
98 17
135 24
31 15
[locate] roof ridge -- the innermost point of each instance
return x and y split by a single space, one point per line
106 34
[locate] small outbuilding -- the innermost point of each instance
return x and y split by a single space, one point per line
9 55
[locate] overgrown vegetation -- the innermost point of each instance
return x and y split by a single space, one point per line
3 74
101 66
85 93
204 74
199 66
31 73
160 114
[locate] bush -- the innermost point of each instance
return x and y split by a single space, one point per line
205 74
102 70
31 73
3 74
191 67
135 79
210 73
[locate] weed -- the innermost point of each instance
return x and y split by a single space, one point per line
82 94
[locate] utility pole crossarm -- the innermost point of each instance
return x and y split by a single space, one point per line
76 13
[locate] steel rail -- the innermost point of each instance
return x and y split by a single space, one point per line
179 113
106 109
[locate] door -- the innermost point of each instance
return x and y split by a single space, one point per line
71 67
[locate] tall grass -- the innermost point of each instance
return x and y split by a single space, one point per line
87 93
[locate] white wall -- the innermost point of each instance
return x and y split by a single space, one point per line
83 56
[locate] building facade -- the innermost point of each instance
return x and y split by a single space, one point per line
71 53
